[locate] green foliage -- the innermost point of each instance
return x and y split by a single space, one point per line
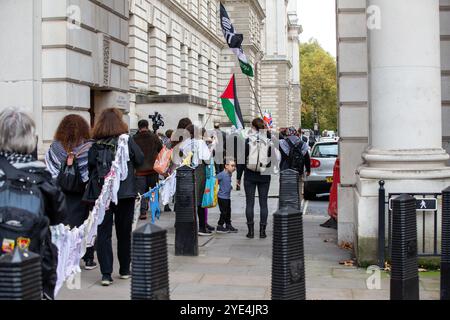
319 88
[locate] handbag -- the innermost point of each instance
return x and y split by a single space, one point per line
210 195
162 161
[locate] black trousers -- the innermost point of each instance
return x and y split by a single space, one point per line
122 213
77 213
250 192
225 212
143 185
201 213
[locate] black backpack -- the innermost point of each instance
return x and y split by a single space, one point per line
69 177
23 221
296 158
106 151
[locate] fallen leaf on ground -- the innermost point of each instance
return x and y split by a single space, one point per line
346 245
347 263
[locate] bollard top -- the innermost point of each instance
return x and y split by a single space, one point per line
185 169
381 183
289 172
446 190
148 229
288 211
404 197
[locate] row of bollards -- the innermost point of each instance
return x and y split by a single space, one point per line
288 257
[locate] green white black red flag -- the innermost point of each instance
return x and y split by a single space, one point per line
234 41
231 105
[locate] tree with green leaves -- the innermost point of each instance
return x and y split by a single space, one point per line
319 87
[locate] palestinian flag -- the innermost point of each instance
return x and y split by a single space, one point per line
234 41
231 106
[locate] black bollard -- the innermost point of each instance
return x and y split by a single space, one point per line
445 245
381 224
290 189
186 228
288 257
20 276
404 273
149 264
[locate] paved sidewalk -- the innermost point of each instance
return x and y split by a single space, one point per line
230 266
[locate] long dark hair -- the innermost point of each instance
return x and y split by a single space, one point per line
109 124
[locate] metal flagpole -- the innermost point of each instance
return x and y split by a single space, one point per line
256 98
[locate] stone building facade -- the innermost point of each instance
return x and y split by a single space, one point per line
63 56
280 67
394 109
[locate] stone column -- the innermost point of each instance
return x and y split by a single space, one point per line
158 60
193 73
173 66
405 146
184 70
203 77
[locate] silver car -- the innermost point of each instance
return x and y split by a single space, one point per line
323 158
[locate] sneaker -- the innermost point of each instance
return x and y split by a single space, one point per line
210 228
106 280
90 265
204 232
125 276
232 229
143 216
222 229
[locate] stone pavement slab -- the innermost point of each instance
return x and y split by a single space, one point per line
232 267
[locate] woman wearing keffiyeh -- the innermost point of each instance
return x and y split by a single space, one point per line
73 135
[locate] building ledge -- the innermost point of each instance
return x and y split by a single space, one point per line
176 98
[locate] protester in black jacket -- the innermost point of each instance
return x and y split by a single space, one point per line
146 177
106 133
17 143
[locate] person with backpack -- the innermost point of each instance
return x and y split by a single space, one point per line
67 161
30 201
106 132
295 155
146 177
258 150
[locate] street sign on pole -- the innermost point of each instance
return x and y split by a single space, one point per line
425 204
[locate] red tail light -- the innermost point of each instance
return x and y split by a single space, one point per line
315 163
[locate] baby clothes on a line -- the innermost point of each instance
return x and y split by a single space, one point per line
168 189
154 203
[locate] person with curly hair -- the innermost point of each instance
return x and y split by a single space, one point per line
73 137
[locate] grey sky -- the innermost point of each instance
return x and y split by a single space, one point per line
319 21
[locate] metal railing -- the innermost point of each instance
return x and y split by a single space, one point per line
385 236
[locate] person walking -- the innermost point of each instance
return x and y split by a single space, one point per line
295 155
146 177
18 140
257 159
106 132
70 147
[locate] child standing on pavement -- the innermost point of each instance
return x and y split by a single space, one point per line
224 198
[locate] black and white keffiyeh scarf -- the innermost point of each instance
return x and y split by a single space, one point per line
14 157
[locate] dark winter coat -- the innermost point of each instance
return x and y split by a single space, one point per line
128 186
150 145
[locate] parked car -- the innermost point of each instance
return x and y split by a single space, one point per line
323 157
